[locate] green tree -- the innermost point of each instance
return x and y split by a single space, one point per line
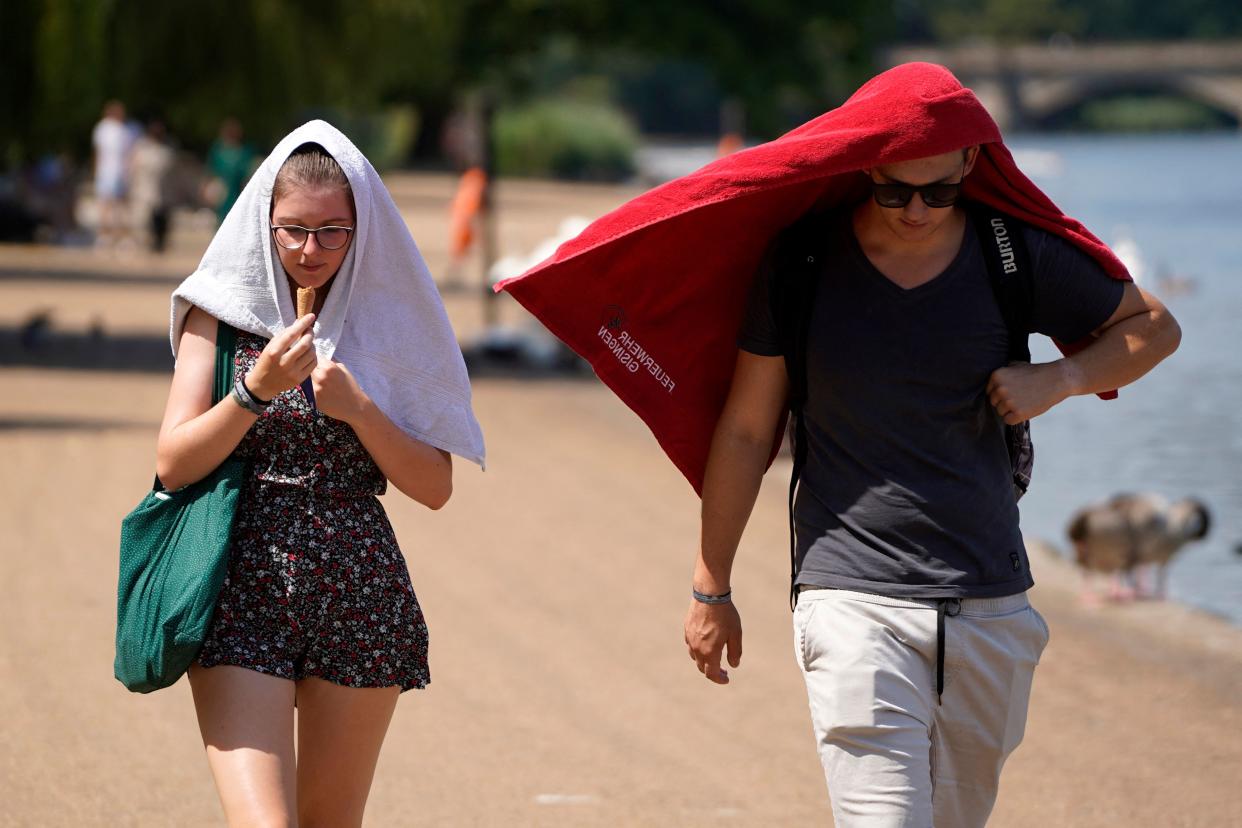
1006 21
264 61
1015 20
269 62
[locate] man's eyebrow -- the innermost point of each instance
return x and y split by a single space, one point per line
945 180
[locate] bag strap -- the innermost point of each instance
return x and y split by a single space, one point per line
226 351
1013 284
222 382
797 265
1009 272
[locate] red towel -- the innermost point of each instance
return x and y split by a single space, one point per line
652 294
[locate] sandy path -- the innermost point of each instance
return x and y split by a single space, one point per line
554 585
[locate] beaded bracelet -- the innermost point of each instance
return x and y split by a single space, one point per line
703 598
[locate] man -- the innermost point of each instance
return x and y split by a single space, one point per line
905 512
907 529
112 141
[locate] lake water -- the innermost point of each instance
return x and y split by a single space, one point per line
1171 205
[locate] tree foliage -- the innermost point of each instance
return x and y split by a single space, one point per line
272 62
269 61
1096 20
1006 20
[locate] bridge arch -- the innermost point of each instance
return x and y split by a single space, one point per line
1043 100
1028 83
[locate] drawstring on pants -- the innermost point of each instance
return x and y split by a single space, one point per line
951 607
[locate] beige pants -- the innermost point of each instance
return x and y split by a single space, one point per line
892 755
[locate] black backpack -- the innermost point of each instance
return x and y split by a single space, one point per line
797 264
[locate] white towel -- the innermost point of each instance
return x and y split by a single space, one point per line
383 318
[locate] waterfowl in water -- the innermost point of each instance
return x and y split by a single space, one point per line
1135 530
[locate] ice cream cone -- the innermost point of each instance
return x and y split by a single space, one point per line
306 301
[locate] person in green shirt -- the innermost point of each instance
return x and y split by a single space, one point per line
229 163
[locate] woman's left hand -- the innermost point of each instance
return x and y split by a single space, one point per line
420 471
337 393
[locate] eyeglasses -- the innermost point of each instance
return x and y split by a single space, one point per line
896 194
293 236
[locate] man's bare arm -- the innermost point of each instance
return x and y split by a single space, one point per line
736 462
1139 334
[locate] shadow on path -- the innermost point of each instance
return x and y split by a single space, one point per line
35 346
51 424
26 274
38 344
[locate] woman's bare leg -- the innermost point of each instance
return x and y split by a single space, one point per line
246 719
340 731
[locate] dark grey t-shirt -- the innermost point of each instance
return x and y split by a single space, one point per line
907 486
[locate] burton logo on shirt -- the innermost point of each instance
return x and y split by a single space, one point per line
1005 246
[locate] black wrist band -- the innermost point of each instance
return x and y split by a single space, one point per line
251 394
703 598
246 400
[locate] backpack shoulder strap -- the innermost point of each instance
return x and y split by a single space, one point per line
797 262
1012 278
1009 272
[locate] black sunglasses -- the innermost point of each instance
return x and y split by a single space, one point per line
896 194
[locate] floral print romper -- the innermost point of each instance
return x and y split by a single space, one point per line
316 583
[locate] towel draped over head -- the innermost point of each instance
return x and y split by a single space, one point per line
382 319
653 293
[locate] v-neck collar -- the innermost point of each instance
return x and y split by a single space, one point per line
945 276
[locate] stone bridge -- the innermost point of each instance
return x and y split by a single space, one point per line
1024 85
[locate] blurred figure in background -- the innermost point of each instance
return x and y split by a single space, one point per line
41 207
229 162
1133 532
112 142
732 128
464 143
464 217
150 165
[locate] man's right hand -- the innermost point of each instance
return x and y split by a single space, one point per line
287 360
741 446
710 628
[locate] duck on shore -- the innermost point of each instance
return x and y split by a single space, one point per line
1131 532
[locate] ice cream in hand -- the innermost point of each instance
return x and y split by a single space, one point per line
306 301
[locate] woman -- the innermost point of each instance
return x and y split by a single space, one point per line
317 610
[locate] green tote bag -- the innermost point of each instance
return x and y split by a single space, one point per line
174 554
